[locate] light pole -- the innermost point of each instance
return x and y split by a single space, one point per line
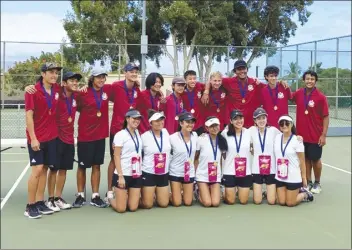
144 45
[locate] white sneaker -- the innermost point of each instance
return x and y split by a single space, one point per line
62 204
109 195
316 189
51 205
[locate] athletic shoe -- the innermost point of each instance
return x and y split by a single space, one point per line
98 202
195 192
310 185
32 212
316 189
79 202
43 209
222 192
51 204
62 204
309 196
108 195
264 195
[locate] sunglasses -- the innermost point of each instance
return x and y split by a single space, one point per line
284 123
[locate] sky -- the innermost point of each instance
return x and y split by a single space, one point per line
25 21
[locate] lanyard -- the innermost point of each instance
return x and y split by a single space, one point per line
47 97
98 101
135 144
68 104
243 91
306 101
216 102
130 98
238 145
276 93
284 150
189 150
160 147
152 100
176 103
190 96
262 143
215 151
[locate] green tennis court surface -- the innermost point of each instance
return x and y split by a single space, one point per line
324 223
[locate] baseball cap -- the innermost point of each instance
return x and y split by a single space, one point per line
98 72
133 113
285 118
211 121
258 112
130 66
186 116
178 80
235 113
239 64
71 75
156 116
49 66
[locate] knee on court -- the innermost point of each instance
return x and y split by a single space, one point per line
215 203
207 203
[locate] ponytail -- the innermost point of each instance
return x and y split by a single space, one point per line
222 143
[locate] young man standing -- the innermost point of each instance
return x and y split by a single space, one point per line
312 119
42 136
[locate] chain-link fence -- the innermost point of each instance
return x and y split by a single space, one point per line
331 58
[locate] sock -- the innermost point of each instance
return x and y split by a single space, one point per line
318 182
95 195
81 194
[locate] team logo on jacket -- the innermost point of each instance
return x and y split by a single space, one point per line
199 95
74 104
250 87
223 95
104 96
311 103
56 96
280 95
135 95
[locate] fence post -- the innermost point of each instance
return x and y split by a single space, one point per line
228 60
281 62
119 68
315 56
62 61
3 78
297 77
337 78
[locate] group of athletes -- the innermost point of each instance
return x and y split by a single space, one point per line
212 140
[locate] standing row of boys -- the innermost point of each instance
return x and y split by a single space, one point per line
207 133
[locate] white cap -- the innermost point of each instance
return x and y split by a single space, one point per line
156 116
212 121
285 118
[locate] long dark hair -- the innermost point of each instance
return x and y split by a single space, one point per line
124 123
231 130
90 81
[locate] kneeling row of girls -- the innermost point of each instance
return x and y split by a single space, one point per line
148 165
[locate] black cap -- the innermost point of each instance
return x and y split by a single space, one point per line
258 112
49 66
235 113
130 67
239 64
186 116
134 113
71 75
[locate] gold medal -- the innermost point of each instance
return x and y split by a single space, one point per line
98 113
192 111
275 107
49 111
243 100
218 110
215 164
69 119
306 112
282 161
176 118
131 107
237 156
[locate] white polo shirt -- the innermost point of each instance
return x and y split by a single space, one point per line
229 162
294 147
180 154
207 155
271 133
150 148
124 140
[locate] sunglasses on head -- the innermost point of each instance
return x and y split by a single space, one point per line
284 123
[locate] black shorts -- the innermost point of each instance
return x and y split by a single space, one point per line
152 180
130 182
312 151
111 140
65 156
208 183
267 179
45 156
180 179
230 181
289 186
91 153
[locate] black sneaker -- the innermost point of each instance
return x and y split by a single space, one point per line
79 202
32 212
308 194
43 209
98 202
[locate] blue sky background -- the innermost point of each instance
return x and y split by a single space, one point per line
26 21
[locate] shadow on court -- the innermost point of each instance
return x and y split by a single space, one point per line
324 223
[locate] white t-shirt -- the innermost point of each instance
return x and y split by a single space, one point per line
229 162
124 140
180 154
294 171
271 133
207 155
150 148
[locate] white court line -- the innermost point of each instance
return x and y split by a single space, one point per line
14 186
339 169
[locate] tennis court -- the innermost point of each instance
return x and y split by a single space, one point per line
324 223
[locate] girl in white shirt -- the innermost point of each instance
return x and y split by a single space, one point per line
156 159
290 166
208 163
263 166
128 160
237 164
184 145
